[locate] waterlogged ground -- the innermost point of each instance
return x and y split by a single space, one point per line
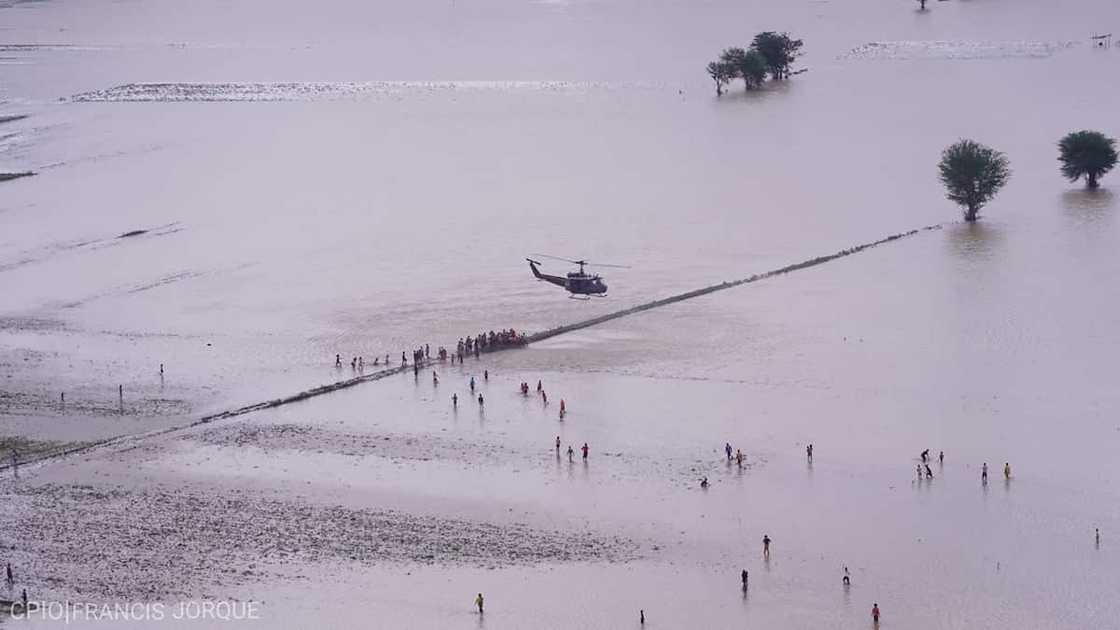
238 192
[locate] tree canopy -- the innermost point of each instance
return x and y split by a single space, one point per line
722 73
972 174
752 69
1086 153
747 65
770 53
779 50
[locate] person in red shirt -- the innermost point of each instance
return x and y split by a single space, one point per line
584 449
875 613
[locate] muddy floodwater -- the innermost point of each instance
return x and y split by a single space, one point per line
202 203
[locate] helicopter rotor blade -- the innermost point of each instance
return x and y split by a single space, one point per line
580 262
567 260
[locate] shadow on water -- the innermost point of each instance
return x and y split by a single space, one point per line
974 241
1088 206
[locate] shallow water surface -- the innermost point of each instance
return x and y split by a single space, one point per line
360 178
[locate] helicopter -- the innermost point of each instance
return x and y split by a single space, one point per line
576 282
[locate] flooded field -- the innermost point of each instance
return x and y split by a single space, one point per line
227 195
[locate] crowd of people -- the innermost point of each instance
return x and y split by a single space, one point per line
488 342
476 345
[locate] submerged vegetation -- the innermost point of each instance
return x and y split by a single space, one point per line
770 53
1088 154
6 176
972 174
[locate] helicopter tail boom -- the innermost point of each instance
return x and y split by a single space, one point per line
557 280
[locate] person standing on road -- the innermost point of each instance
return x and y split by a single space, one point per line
478 602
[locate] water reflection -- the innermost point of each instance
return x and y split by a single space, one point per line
1088 206
976 241
772 89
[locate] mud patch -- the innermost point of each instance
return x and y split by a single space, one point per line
81 404
273 437
50 250
111 542
909 50
418 448
31 324
28 449
207 92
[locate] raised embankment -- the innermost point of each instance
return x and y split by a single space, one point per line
680 297
552 332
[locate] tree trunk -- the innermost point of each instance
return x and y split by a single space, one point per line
970 214
1093 180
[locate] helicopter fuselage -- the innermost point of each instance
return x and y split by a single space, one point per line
576 282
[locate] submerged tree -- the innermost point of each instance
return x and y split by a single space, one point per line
747 65
752 69
972 174
721 73
923 3
733 58
779 50
1086 153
